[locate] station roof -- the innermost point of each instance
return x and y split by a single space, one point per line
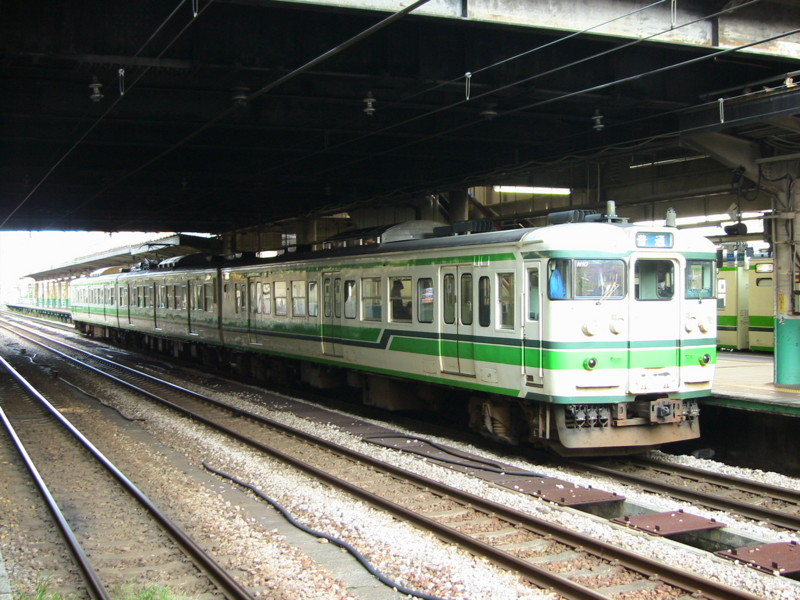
126 256
142 116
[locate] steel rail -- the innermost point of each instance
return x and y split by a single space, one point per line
90 576
747 485
752 511
694 584
232 588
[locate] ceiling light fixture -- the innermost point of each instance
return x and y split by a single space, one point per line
96 86
598 121
369 109
521 189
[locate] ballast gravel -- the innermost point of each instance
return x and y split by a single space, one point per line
420 561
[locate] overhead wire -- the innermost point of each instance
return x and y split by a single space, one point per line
388 128
328 149
568 94
268 87
113 105
586 91
528 52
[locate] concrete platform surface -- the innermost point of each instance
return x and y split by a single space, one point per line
746 380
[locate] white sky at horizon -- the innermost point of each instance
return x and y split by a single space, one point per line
25 252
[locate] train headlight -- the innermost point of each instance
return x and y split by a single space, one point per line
590 363
706 324
617 325
705 359
691 324
591 327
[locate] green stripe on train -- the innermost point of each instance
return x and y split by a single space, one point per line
762 321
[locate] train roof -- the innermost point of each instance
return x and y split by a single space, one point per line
613 237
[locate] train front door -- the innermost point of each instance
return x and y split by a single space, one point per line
653 355
457 343
331 313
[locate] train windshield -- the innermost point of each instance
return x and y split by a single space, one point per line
582 279
700 278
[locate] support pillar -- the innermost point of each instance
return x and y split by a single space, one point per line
459 206
786 226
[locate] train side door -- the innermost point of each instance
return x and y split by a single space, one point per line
653 356
151 302
457 348
127 300
331 313
533 327
253 305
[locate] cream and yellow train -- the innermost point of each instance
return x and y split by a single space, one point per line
746 305
587 337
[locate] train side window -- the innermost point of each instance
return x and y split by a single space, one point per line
401 298
313 299
208 292
197 295
484 301
764 282
162 297
299 298
337 298
449 299
505 291
266 299
654 279
350 299
280 298
722 294
533 294
466 299
326 296
700 278
255 295
371 301
425 300
559 279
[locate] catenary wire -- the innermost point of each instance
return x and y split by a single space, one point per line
111 107
388 128
270 86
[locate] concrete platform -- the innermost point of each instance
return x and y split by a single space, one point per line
745 380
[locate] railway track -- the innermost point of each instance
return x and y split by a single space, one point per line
114 533
547 555
764 503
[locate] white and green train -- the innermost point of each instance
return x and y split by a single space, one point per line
588 337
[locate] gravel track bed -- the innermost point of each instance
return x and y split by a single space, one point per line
29 542
414 558
123 543
695 561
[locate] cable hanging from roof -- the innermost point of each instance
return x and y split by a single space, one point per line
388 128
98 120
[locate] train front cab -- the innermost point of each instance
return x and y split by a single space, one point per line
616 349
761 295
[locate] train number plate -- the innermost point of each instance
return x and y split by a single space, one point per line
650 381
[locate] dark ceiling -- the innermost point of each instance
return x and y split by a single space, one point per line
214 124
